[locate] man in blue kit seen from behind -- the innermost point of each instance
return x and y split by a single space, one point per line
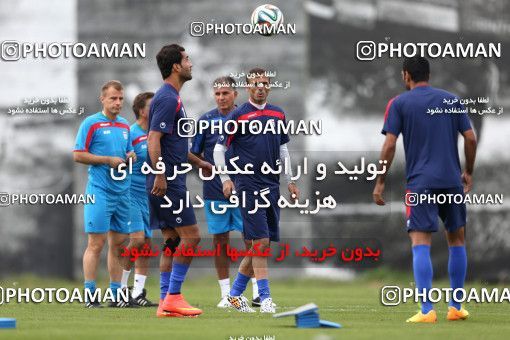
432 168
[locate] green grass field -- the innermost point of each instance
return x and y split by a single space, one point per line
354 305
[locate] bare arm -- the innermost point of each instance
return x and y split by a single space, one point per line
154 148
285 158
198 162
197 155
469 150
387 154
470 154
88 158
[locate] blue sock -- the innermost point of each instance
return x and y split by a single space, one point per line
239 284
114 286
177 277
264 292
422 267
457 265
164 280
91 286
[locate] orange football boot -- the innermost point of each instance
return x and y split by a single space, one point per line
176 304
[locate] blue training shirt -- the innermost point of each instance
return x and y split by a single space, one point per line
139 142
101 136
430 140
256 148
204 142
165 111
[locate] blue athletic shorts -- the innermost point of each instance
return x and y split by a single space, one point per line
139 213
109 212
221 223
264 223
161 218
423 216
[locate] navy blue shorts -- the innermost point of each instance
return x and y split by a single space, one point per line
264 223
161 218
422 215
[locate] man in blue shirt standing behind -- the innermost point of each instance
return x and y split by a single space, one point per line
139 230
219 225
432 169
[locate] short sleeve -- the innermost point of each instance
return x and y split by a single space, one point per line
198 143
392 119
84 137
228 134
284 137
130 142
163 114
464 122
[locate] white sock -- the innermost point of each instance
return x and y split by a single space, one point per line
255 288
125 278
224 286
138 285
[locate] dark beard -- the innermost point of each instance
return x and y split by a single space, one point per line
186 77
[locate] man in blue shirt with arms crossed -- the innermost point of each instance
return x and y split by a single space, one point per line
104 142
219 225
432 168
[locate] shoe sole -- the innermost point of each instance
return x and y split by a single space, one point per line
457 318
175 315
183 314
242 311
421 321
259 304
164 314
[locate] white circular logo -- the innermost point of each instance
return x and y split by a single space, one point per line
178 220
162 125
222 138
